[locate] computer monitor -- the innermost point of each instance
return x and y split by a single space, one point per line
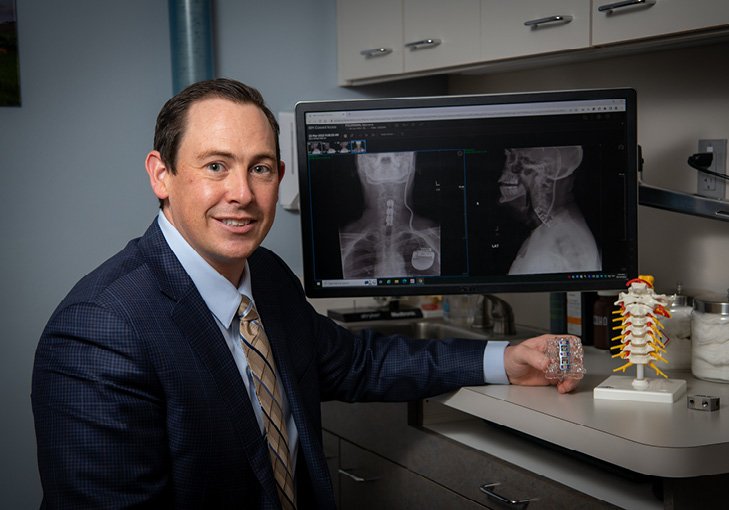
468 194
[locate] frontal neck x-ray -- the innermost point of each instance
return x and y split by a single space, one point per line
537 185
389 238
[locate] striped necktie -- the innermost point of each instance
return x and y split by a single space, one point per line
263 369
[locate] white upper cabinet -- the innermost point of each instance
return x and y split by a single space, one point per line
627 20
387 37
369 38
521 27
382 40
440 33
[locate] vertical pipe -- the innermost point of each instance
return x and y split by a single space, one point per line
191 42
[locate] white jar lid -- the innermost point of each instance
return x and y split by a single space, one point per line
712 304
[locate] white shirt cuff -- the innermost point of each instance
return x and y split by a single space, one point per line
493 362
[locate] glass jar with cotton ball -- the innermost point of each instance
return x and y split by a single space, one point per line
710 338
677 330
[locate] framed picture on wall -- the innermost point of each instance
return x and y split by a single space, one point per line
9 62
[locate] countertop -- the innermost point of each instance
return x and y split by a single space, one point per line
660 439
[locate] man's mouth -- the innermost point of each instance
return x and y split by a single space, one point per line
236 223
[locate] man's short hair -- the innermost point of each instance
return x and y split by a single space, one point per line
171 121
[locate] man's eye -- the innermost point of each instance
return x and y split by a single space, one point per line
261 169
215 167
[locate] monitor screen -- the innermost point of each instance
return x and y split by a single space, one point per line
468 194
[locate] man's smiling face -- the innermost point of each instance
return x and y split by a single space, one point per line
222 197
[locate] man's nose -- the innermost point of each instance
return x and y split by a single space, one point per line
238 187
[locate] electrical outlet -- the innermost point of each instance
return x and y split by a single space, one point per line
709 185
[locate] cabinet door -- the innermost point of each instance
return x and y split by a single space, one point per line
369 38
453 27
403 459
369 481
651 18
515 29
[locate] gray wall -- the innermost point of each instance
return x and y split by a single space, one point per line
74 191
93 75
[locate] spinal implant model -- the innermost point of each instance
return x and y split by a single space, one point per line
640 329
566 359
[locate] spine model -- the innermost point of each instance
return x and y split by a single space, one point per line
640 330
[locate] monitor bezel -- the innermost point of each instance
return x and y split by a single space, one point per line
631 191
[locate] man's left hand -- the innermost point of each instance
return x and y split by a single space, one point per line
527 361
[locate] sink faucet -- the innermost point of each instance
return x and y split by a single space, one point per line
498 316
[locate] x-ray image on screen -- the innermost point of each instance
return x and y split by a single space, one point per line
536 184
389 238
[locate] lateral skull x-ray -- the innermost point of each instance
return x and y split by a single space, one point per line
389 238
537 185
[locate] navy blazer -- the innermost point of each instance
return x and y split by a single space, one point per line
138 403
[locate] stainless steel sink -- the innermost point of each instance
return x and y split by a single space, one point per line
436 328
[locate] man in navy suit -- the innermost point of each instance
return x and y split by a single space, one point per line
141 390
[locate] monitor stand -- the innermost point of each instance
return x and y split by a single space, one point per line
389 311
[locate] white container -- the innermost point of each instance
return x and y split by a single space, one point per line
677 330
710 339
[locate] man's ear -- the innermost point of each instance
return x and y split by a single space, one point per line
281 170
158 174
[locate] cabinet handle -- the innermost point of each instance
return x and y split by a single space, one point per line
609 8
376 52
357 478
516 504
549 20
423 44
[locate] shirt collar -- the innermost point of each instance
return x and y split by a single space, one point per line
221 296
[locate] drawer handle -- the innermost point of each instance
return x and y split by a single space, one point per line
517 504
609 8
549 20
423 44
357 478
376 52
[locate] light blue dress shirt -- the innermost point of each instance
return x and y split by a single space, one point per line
493 362
223 299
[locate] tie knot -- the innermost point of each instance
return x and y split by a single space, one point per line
246 310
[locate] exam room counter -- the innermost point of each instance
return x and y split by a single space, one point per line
536 449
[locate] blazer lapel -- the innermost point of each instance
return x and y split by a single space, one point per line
197 324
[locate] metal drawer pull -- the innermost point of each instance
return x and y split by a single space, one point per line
549 20
517 504
357 478
423 44
609 8
376 52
